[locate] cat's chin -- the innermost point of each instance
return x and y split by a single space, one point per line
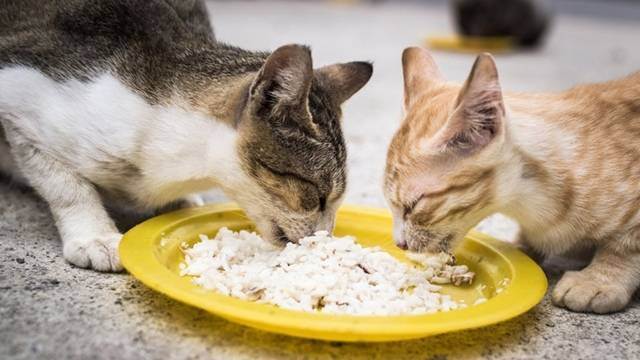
428 251
432 246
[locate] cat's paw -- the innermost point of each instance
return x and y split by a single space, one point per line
584 292
99 253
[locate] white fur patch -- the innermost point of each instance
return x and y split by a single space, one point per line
6 161
94 127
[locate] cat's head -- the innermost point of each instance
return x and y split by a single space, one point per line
444 161
291 146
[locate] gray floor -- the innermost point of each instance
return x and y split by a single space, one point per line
49 309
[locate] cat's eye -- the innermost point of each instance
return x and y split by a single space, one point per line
407 209
405 213
323 203
461 141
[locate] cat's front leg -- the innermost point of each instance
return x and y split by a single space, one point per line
193 200
523 242
187 202
604 286
89 236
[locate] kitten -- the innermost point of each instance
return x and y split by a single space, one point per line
133 102
526 21
565 165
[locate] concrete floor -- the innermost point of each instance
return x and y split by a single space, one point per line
49 309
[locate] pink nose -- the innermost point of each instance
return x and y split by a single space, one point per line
402 244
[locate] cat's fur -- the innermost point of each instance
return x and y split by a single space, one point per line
565 165
133 102
526 21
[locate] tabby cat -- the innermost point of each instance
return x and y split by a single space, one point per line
565 165
135 103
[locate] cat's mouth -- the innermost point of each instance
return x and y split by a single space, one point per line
280 235
426 241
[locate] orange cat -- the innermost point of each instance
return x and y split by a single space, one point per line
565 165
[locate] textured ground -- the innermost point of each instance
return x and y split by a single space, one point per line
50 310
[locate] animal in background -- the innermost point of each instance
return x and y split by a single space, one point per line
565 165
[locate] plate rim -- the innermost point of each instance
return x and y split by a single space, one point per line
136 254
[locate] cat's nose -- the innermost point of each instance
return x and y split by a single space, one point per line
398 235
281 236
400 241
327 224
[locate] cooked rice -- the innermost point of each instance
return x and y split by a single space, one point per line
322 273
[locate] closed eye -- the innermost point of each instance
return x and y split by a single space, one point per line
286 174
296 177
323 203
408 208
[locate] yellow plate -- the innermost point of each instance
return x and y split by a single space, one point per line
151 253
471 44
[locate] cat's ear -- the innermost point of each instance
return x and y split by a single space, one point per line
284 80
479 114
344 80
420 71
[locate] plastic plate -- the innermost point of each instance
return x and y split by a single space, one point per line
510 281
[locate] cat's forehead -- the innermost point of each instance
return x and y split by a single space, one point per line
315 154
324 110
409 174
412 182
421 121
429 112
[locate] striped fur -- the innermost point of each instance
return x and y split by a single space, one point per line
565 165
136 102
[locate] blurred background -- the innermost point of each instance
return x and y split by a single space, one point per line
49 309
586 41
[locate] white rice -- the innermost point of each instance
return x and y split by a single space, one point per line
321 273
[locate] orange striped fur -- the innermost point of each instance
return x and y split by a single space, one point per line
565 165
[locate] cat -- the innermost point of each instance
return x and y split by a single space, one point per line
135 103
526 21
565 165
